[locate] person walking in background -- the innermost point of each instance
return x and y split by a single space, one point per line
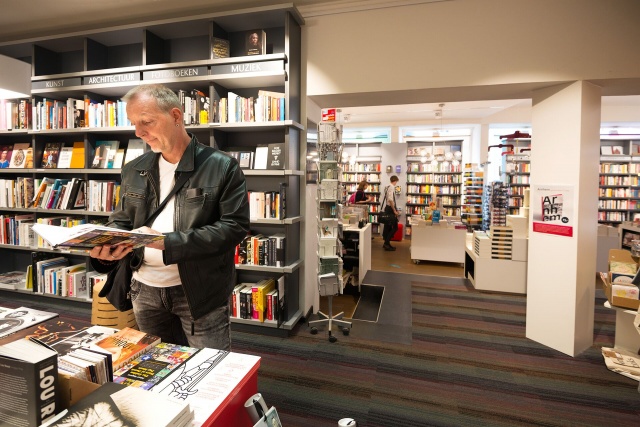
390 207
181 285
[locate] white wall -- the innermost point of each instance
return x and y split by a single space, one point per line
479 45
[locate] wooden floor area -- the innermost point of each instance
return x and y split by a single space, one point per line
398 261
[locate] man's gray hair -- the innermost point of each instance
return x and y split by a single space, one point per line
165 97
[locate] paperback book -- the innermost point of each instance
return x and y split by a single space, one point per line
50 155
126 345
5 156
151 367
86 236
19 155
82 338
115 404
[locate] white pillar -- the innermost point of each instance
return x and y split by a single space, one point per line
561 270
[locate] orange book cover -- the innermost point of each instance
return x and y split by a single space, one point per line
77 155
126 345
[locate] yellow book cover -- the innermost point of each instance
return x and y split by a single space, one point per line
263 288
77 156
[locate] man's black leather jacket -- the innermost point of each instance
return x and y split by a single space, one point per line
211 218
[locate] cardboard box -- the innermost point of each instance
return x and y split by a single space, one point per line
622 256
73 389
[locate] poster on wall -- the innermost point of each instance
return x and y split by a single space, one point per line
552 209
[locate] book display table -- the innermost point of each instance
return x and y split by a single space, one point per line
363 249
437 243
500 275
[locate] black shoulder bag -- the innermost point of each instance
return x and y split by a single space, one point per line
383 216
117 287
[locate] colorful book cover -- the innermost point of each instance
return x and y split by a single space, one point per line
19 155
126 344
50 155
77 156
5 156
105 154
151 367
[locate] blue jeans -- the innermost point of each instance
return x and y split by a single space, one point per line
165 312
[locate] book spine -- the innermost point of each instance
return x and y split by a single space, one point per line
45 386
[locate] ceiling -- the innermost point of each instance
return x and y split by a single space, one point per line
34 19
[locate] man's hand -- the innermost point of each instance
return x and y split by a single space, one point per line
155 245
110 253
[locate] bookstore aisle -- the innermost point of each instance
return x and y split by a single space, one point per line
399 261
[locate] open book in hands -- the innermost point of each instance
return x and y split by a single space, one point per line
86 236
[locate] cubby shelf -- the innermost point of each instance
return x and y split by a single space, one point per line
103 64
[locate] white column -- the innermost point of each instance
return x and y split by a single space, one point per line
565 151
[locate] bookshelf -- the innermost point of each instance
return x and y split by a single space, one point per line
472 197
434 172
98 67
517 172
364 170
619 190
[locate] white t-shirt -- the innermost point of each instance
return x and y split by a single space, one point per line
391 196
153 272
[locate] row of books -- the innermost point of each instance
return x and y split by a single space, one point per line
15 114
268 106
16 229
57 155
267 204
195 105
258 301
102 196
75 193
54 193
259 249
270 156
55 276
78 113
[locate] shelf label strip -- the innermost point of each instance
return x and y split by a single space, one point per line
250 67
58 83
175 73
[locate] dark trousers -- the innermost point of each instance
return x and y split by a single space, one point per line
390 228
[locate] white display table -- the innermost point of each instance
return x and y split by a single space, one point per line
627 337
437 243
364 249
499 275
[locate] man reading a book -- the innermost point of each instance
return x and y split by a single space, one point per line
181 285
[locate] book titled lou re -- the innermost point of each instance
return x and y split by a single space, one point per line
29 372
86 236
